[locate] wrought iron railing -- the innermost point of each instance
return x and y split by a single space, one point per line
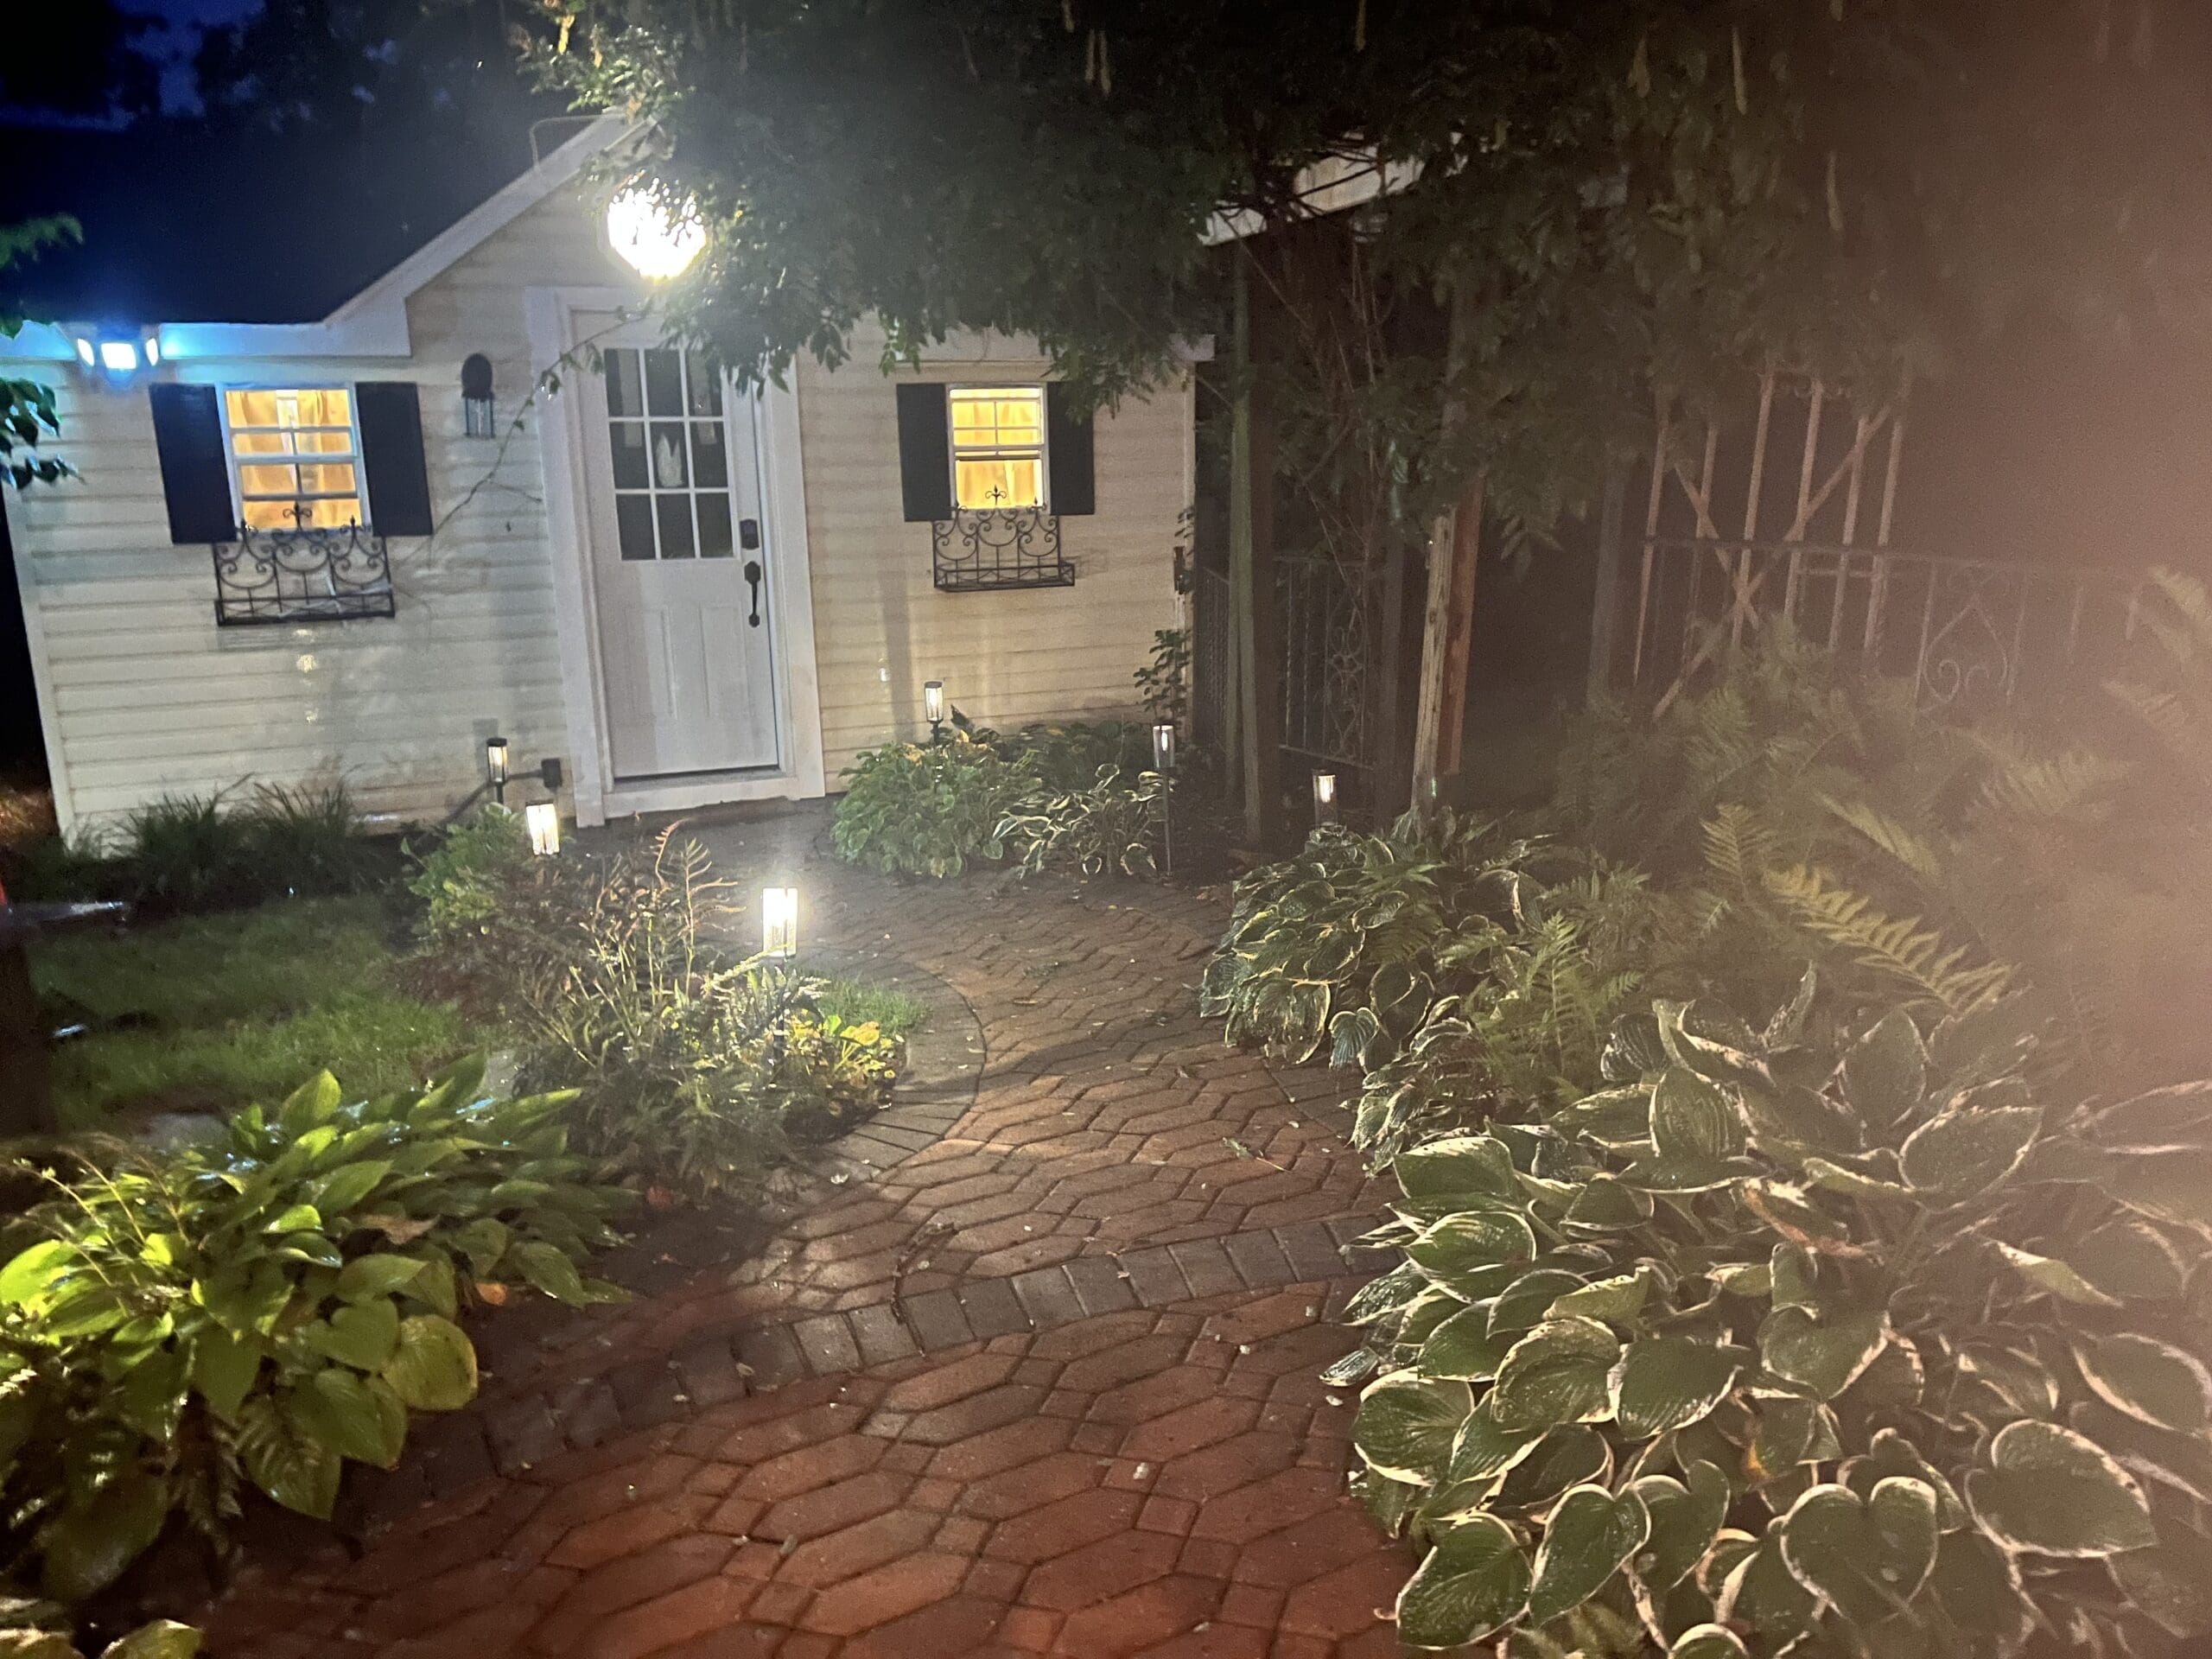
265 576
984 551
1329 632
1965 631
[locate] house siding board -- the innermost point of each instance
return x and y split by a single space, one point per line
149 697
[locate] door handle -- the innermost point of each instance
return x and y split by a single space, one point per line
753 579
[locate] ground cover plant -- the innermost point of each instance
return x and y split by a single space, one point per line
259 1309
210 1012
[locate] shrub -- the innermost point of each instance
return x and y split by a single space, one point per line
1067 757
1164 684
1855 1343
928 809
267 1308
1106 826
463 877
692 1071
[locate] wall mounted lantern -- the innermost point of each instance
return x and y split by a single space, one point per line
478 415
119 354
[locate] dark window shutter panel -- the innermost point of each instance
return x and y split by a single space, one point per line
925 454
1067 452
391 416
195 475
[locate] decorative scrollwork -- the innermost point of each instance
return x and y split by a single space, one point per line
302 576
975 552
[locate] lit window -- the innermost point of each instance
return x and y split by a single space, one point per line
295 457
998 446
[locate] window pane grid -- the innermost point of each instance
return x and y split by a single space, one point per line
998 446
295 460
671 476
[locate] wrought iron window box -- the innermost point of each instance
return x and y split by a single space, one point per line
988 551
269 577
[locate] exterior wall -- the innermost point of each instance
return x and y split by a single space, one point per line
143 695
1006 658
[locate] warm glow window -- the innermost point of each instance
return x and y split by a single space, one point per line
998 446
296 456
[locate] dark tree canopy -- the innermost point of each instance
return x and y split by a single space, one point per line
1626 194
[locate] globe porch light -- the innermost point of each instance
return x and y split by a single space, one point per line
543 819
652 236
780 921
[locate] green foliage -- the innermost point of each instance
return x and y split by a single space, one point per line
40 1630
1164 684
210 1012
27 407
463 877
188 854
264 1309
1843 1341
928 809
692 1071
1106 828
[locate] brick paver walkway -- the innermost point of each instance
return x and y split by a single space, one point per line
1030 1368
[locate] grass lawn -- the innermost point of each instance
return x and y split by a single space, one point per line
214 1013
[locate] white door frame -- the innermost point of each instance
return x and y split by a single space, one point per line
550 314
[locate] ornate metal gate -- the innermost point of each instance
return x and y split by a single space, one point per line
1329 622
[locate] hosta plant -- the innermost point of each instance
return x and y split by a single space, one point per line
921 809
267 1307
32 1629
1106 827
1342 941
1848 1345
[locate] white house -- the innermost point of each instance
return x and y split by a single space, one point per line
316 549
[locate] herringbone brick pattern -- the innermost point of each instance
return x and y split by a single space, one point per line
1047 1382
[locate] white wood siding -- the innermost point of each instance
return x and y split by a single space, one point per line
146 696
880 625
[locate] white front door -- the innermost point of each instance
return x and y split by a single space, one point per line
677 560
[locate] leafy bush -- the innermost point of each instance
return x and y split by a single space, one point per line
1164 684
693 1071
1106 826
928 809
1856 1344
40 1629
1063 757
463 878
267 1308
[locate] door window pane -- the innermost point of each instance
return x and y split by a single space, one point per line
670 472
625 393
706 384
633 517
714 525
675 526
663 382
628 438
707 466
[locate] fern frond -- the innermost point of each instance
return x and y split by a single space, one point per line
1739 848
1916 852
2052 786
1901 949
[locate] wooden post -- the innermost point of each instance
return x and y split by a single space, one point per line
1448 618
1251 573
1605 604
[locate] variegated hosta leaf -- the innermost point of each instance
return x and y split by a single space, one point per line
2052 1490
1406 1425
1556 1374
1587 1539
1884 1073
2147 1379
2128 1258
1462 1245
1824 1356
1475 1581
1693 1122
1709 1641
1968 1149
2171 1581
1461 1163
1686 1516
2059 1277
1865 1558
1664 1382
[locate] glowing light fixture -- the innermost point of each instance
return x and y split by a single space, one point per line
933 709
1163 747
653 237
84 352
1325 798
780 921
495 766
543 819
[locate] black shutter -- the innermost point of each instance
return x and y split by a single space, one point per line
391 415
925 454
195 474
1067 452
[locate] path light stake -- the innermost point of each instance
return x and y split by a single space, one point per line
933 709
495 767
1325 798
542 818
780 921
1163 762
